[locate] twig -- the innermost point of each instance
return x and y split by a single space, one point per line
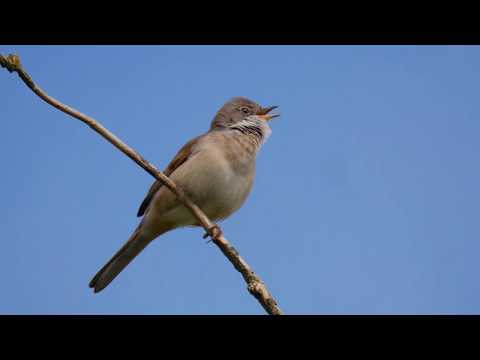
254 284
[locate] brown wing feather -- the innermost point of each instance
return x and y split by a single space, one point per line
182 156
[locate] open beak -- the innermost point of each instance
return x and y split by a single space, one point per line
264 113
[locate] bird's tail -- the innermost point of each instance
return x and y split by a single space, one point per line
135 244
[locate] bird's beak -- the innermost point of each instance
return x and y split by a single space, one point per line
263 113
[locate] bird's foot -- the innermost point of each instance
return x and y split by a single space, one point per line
213 231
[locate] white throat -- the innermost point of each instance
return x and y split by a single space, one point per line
253 122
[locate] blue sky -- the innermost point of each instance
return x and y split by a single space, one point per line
366 196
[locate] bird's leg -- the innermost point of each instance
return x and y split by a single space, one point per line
213 231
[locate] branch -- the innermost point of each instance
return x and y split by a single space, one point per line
254 284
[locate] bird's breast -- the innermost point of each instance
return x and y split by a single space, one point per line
220 179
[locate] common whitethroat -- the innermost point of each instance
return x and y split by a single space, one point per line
215 170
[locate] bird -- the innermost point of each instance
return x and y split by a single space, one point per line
215 170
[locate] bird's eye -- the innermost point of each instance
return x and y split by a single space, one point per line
245 110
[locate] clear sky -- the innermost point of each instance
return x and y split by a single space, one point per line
366 199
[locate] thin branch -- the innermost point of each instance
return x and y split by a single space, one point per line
254 284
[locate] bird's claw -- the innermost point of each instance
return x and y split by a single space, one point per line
213 231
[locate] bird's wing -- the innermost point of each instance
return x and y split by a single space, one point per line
183 155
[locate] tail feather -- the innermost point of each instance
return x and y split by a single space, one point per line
135 244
